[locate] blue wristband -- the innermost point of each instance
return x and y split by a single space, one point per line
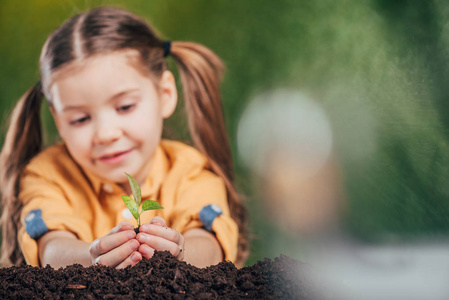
208 214
34 225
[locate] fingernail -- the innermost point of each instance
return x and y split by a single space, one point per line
142 238
135 257
144 250
130 234
134 244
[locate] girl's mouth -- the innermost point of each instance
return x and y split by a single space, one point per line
114 158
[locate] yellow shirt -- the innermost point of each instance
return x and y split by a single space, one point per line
68 198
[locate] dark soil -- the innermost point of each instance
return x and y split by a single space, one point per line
162 277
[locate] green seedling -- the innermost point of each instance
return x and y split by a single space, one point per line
134 204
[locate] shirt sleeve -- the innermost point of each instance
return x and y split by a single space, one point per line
45 208
206 195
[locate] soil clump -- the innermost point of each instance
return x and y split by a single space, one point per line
162 277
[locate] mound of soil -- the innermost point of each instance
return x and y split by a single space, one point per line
162 277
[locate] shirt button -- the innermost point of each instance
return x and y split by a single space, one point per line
108 188
127 214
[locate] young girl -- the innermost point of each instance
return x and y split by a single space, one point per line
104 74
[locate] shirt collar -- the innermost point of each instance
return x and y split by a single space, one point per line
158 171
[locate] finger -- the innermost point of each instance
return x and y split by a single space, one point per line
158 221
109 242
181 253
164 232
131 260
146 251
124 225
116 256
160 244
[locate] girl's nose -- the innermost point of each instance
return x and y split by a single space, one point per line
107 133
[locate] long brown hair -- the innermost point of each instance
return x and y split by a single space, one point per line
104 30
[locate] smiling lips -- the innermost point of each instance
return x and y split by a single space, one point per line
114 158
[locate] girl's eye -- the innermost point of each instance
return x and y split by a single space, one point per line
125 108
80 121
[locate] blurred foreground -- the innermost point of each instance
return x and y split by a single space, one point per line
285 138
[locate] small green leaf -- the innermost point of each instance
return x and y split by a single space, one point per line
131 204
150 205
135 188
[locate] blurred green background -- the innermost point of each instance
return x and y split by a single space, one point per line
378 68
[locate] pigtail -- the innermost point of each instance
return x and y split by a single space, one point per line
22 142
201 72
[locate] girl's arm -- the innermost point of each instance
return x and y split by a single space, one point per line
117 248
63 248
202 248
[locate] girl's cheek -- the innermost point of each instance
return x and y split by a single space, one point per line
79 139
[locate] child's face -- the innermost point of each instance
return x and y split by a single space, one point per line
110 115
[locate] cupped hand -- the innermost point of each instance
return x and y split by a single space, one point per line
157 236
118 248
